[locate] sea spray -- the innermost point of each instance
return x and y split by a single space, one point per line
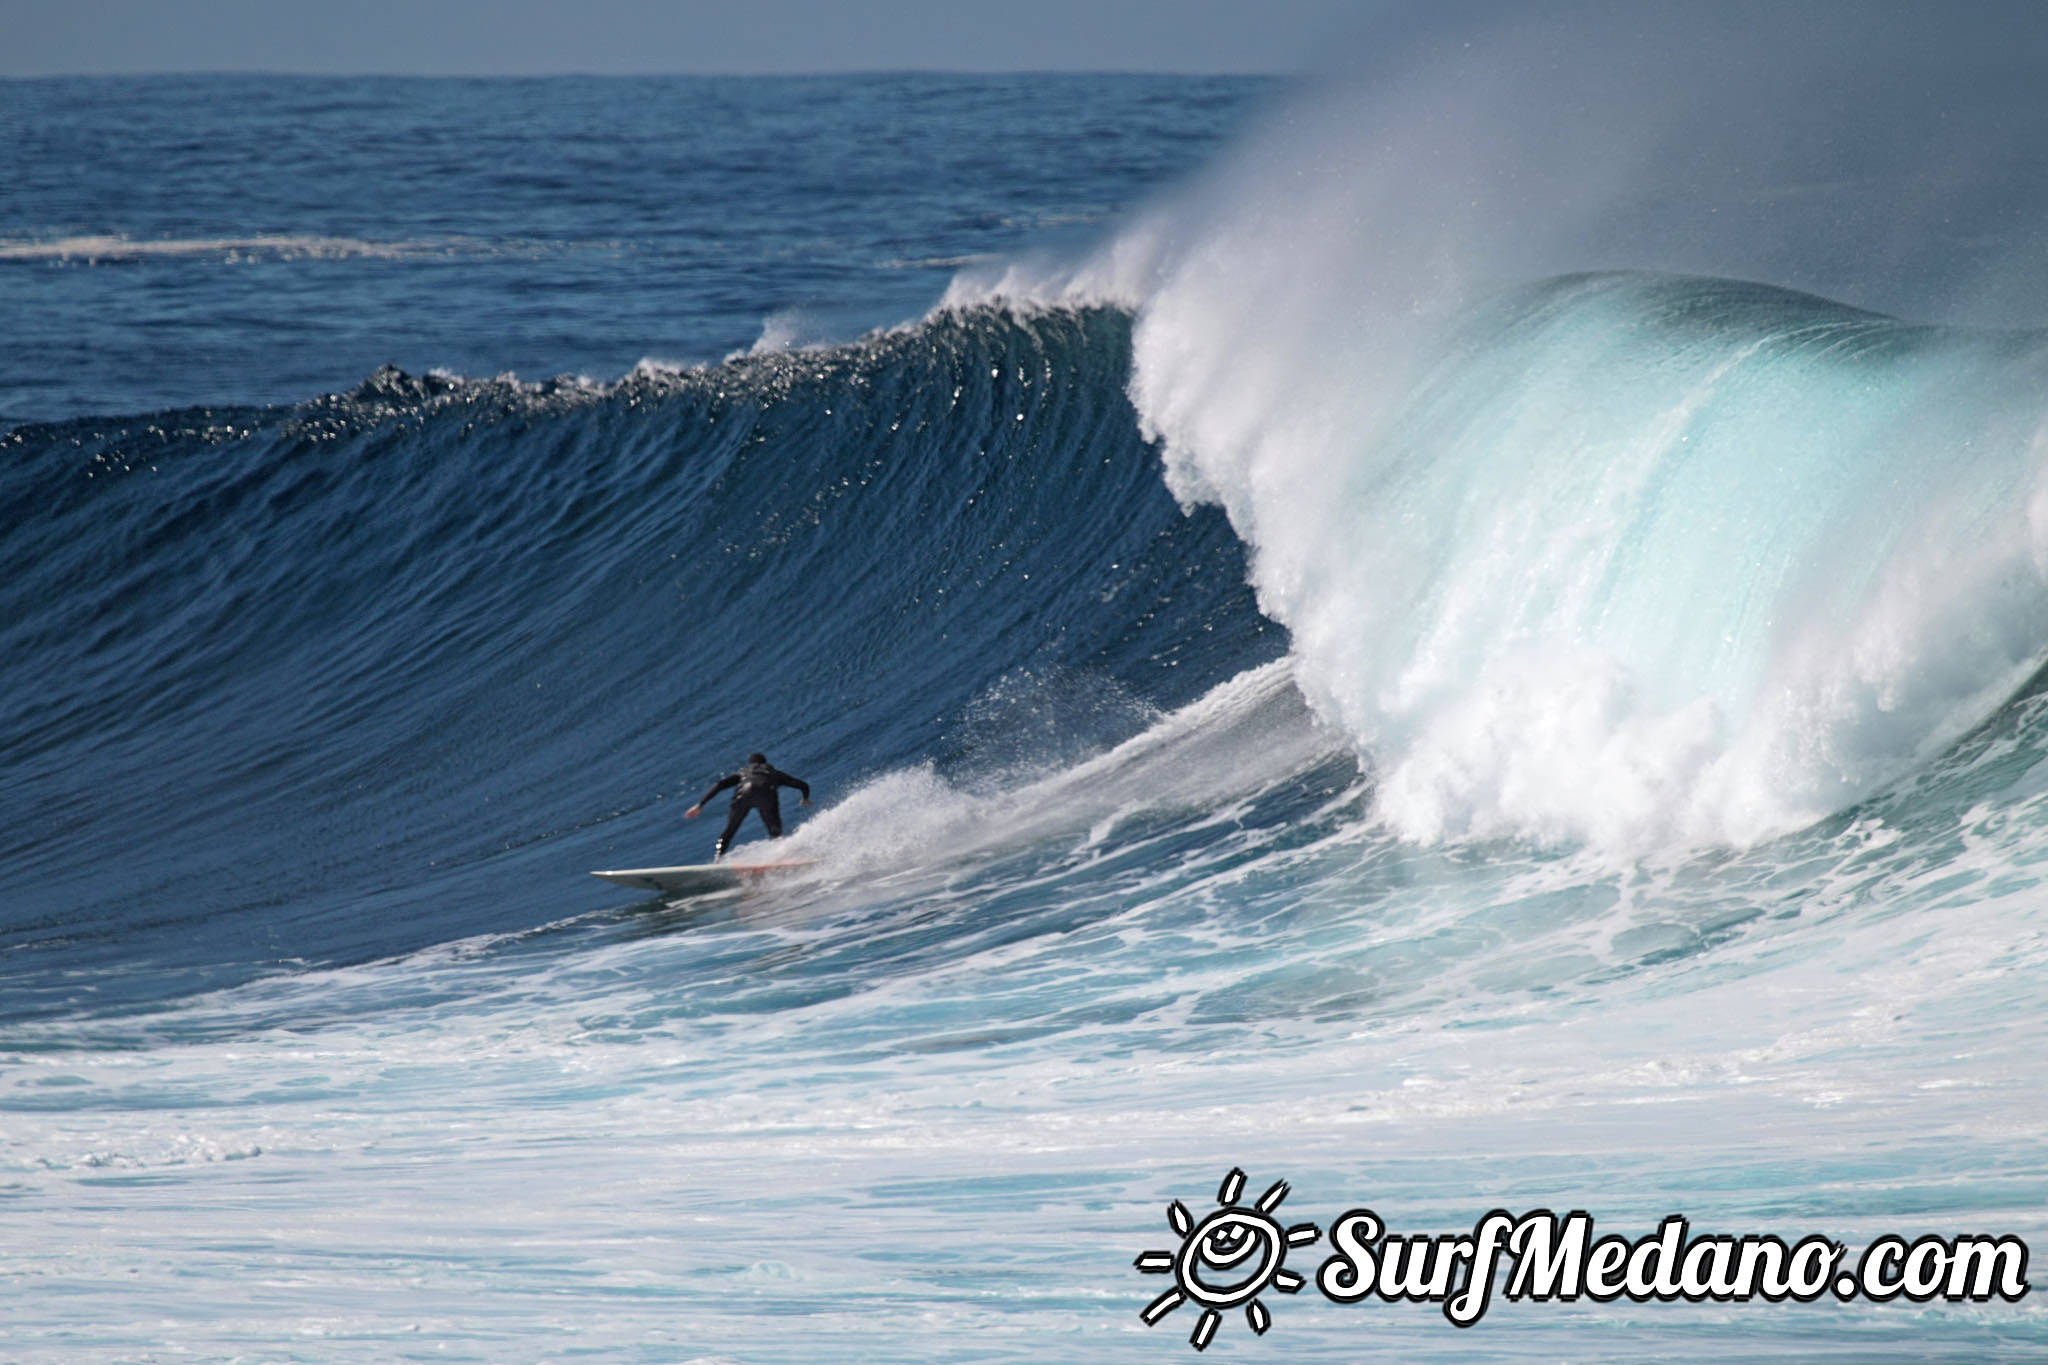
1645 558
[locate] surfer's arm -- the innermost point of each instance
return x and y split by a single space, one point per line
729 780
783 779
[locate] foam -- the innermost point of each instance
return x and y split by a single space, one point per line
1248 731
1633 559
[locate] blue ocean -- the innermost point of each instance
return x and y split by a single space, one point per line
1463 635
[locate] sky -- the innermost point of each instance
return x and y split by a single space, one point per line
542 37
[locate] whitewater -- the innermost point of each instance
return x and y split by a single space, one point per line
1463 637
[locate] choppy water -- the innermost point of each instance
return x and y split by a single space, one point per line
1452 711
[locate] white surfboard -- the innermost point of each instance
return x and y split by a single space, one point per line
696 878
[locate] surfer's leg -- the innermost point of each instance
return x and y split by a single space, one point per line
772 817
732 827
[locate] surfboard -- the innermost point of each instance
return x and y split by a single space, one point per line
696 878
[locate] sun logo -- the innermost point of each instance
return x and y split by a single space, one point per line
1246 1244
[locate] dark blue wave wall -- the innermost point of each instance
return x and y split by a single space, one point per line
340 680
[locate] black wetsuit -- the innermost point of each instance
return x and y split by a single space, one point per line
757 783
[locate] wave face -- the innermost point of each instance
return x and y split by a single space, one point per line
1484 654
541 599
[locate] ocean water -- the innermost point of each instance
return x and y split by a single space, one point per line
1464 636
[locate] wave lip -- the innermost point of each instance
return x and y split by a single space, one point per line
1639 560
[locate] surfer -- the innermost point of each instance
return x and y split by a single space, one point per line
757 783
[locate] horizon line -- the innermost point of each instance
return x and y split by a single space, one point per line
746 74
